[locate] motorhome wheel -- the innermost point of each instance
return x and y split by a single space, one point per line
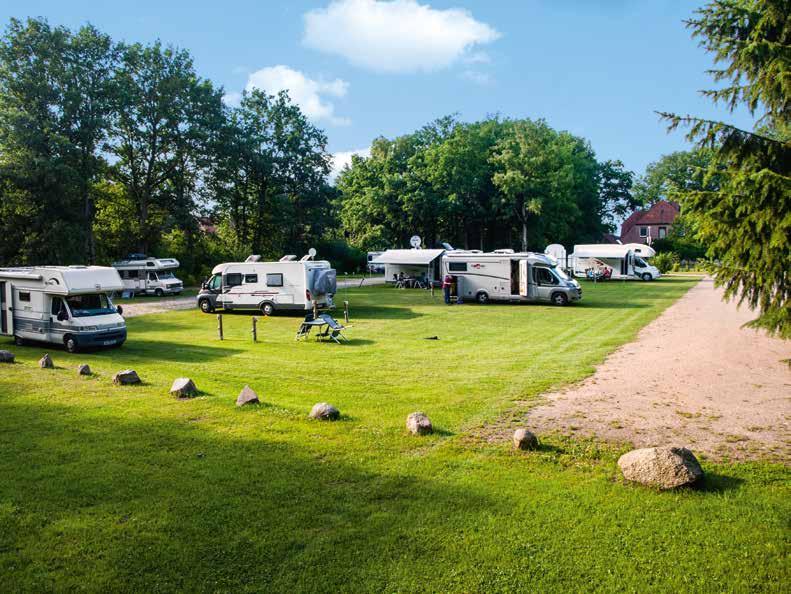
647 276
70 343
205 306
560 299
482 297
19 341
268 309
159 293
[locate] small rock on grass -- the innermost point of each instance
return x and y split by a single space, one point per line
84 369
664 467
325 412
525 440
419 424
6 357
126 377
183 387
46 362
247 396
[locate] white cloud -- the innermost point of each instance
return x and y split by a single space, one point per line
311 95
477 58
479 78
395 36
232 98
343 158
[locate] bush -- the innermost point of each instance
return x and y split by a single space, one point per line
665 261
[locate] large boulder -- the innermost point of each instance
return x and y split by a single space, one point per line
665 467
418 424
247 396
84 369
46 362
183 387
126 377
325 412
525 440
6 357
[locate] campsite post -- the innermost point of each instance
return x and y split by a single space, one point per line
255 329
219 325
346 311
315 309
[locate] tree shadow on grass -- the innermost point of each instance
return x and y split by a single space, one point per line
173 505
136 349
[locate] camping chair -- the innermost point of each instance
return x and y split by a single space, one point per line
305 327
333 330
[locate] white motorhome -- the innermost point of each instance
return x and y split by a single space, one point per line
68 305
288 284
618 260
505 275
152 276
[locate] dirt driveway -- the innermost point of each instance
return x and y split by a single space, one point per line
693 377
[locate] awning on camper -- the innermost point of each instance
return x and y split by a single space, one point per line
413 257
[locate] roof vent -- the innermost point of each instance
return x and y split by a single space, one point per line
288 258
253 258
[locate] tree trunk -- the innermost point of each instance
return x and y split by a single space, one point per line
524 226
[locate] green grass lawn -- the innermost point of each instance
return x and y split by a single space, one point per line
125 488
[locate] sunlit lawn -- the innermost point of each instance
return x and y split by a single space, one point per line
125 488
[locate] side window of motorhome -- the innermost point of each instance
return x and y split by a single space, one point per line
543 276
24 296
152 276
274 280
132 273
250 278
233 279
457 266
57 305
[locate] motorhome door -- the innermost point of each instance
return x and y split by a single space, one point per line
526 287
6 309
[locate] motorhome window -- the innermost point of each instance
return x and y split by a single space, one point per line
640 263
251 278
96 304
132 273
561 273
24 296
233 280
152 276
57 306
214 283
544 276
274 280
165 275
457 266
643 231
149 263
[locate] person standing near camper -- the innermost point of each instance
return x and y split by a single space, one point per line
447 281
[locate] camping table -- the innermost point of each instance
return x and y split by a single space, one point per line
317 323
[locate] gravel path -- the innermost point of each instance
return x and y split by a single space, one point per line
693 377
144 307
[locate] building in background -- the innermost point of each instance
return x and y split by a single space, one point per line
655 222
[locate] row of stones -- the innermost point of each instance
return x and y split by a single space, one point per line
663 467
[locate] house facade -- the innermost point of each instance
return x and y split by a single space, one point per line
645 226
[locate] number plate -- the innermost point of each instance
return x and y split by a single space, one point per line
109 342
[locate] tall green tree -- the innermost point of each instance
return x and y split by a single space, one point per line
746 221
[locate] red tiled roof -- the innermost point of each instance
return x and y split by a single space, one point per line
660 213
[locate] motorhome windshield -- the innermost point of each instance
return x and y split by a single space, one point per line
97 304
165 275
561 273
640 262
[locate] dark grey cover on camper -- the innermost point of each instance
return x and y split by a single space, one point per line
324 282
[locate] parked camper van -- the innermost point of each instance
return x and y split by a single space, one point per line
288 284
152 276
504 275
621 260
68 305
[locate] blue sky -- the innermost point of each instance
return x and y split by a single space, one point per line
364 68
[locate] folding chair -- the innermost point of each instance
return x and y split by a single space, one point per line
305 327
334 328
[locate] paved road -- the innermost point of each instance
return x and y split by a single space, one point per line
145 306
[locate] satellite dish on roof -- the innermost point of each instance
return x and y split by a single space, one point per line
312 252
415 241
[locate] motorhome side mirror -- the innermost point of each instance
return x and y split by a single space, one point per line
119 310
62 316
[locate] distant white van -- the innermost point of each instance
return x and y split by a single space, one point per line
268 287
150 276
68 305
621 260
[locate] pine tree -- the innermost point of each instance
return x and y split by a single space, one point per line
747 222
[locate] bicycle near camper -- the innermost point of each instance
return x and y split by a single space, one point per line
150 276
68 305
505 275
286 285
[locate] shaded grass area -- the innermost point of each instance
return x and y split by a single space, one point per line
125 488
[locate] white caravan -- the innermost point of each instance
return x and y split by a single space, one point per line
152 276
68 305
288 284
620 260
504 275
